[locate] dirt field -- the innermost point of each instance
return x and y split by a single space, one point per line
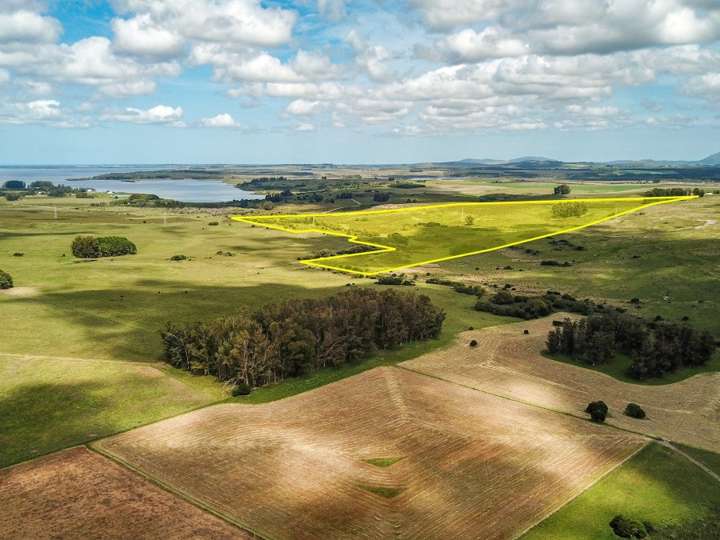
79 494
508 363
388 453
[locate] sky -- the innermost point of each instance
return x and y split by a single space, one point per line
357 81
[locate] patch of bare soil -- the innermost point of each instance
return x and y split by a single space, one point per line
21 292
387 453
79 494
508 363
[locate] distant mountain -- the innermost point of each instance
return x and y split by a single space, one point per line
534 159
711 161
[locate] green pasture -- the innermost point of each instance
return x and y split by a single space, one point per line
657 485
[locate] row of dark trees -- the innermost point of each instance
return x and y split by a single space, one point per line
674 192
301 336
656 347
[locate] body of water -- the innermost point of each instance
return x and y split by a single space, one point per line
185 190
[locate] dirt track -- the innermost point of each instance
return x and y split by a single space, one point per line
470 465
79 494
508 363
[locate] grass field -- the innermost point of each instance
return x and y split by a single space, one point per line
412 236
99 499
388 453
509 363
65 317
667 257
477 186
51 403
657 485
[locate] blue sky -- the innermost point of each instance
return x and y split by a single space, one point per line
244 81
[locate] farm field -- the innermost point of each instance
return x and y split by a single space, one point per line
49 403
508 363
445 461
406 237
673 491
666 257
99 499
477 186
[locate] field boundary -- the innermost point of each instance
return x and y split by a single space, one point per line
176 492
321 262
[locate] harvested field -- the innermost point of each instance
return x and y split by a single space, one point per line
388 453
79 494
510 364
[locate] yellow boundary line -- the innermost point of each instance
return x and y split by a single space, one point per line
380 248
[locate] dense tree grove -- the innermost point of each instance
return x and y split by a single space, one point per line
301 336
656 347
91 247
531 307
6 281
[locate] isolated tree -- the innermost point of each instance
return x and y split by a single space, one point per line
562 189
634 410
597 410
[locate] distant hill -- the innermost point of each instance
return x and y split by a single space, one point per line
711 161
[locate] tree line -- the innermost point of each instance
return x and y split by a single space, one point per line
298 337
655 347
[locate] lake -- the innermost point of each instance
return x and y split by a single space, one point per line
184 190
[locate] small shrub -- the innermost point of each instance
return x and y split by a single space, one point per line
12 197
6 281
18 254
394 280
473 343
114 246
213 224
569 209
635 411
241 389
628 528
597 410
86 247
178 258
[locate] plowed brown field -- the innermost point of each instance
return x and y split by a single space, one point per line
508 363
470 465
79 494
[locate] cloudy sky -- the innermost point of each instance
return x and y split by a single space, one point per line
249 81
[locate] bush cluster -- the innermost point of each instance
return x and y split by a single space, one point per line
6 281
628 528
656 347
674 192
301 336
394 279
91 247
569 209
531 307
458 286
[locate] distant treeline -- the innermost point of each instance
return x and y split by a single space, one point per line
301 336
19 188
656 347
674 192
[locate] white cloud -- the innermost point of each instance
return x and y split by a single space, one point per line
27 26
244 22
223 120
160 114
469 45
142 36
302 107
373 59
